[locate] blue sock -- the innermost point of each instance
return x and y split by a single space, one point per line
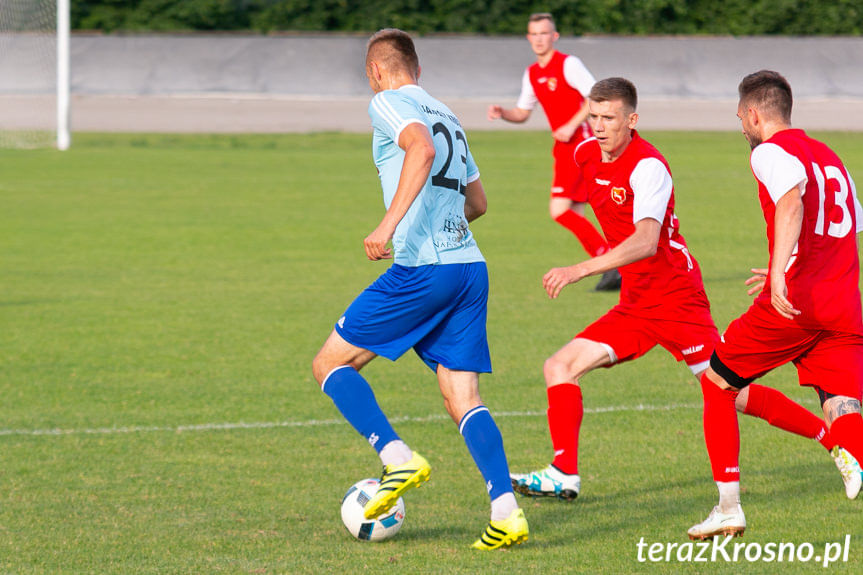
485 444
355 399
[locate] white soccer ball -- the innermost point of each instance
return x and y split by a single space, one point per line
364 529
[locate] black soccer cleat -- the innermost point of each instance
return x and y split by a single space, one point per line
610 281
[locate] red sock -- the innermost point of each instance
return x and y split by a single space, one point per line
565 411
591 240
721 433
847 431
775 408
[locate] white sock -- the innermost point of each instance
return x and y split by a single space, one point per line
503 506
729 496
396 453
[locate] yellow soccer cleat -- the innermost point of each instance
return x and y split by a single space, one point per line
395 480
512 530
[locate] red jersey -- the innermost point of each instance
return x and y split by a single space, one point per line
823 272
636 185
560 99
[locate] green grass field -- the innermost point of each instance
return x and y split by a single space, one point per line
162 299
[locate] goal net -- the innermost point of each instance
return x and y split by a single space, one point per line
30 101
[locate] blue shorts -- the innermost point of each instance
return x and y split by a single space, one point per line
439 310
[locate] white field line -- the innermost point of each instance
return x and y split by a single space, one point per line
317 422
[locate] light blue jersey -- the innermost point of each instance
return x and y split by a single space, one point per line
434 230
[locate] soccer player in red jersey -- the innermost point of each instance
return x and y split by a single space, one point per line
559 82
662 297
808 311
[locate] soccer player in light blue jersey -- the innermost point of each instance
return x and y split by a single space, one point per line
432 299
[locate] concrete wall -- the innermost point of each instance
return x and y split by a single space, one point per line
454 67
230 83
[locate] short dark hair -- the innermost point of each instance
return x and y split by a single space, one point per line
769 91
615 89
395 49
539 16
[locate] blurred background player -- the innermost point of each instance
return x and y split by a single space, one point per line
434 296
662 299
809 310
559 82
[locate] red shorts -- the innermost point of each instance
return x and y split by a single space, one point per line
566 182
761 340
630 337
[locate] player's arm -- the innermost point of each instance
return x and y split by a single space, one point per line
757 281
565 132
475 202
784 177
417 143
515 115
787 223
652 187
640 245
579 77
523 108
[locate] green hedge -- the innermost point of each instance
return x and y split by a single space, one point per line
737 17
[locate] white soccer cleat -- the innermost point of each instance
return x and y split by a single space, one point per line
548 482
850 470
718 523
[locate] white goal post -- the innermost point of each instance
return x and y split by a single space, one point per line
63 77
34 74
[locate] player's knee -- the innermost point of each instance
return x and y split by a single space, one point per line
558 206
723 376
836 406
578 208
457 407
556 371
742 400
323 365
319 368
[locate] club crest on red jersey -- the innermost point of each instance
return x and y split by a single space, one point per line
552 84
618 195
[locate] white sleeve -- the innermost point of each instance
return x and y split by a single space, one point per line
577 75
527 99
778 170
651 185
